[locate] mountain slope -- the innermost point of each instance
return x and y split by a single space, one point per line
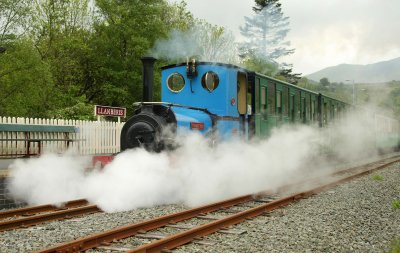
379 72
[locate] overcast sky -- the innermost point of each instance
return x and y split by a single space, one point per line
323 32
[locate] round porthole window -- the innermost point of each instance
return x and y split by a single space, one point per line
210 81
176 82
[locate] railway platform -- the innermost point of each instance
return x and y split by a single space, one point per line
5 201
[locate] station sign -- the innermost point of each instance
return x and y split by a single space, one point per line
101 110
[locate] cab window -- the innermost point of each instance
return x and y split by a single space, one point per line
210 81
175 82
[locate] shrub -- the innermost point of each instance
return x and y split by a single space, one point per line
395 246
396 204
377 177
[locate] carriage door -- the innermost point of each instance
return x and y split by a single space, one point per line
242 100
303 110
291 107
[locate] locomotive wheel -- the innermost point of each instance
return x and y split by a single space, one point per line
143 130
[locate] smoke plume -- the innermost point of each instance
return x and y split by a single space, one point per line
203 41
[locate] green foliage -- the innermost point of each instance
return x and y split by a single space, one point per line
61 33
77 53
287 75
260 65
176 16
79 111
392 102
125 31
377 177
324 82
26 84
335 90
396 204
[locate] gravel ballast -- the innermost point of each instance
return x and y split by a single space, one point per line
353 217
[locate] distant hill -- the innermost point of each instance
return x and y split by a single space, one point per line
379 72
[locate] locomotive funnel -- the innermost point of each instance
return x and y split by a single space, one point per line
148 78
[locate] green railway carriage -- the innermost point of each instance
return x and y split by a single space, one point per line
275 102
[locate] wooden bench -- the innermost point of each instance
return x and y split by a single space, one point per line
28 132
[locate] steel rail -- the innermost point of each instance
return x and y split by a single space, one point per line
176 240
57 215
388 159
96 240
42 208
338 173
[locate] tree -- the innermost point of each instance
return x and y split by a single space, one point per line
261 65
324 82
61 30
265 35
71 57
124 31
26 85
261 4
289 76
13 17
177 17
391 102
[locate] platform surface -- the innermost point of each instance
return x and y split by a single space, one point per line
4 164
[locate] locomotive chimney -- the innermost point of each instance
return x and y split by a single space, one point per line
148 78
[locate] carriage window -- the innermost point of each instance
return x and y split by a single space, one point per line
279 101
263 98
312 110
271 97
325 117
263 108
298 108
303 110
308 105
285 101
175 82
291 107
257 96
210 81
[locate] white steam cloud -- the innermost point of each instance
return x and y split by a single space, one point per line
193 174
202 40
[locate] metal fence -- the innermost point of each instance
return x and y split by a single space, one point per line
92 137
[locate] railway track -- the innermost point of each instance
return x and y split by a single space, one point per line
25 217
250 207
